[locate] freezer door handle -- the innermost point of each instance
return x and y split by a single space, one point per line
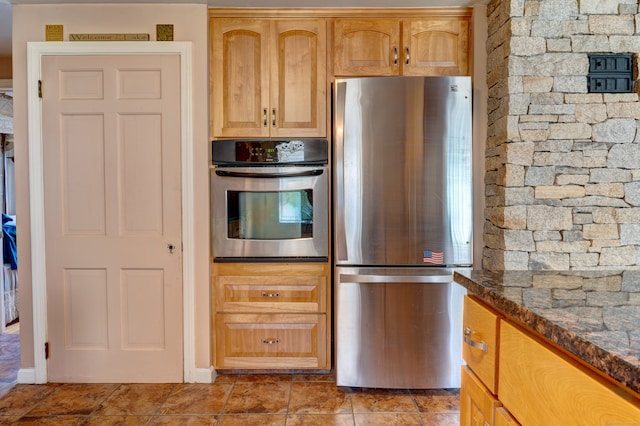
340 232
374 278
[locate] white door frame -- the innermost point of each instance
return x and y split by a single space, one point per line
35 52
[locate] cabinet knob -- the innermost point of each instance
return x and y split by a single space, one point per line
482 345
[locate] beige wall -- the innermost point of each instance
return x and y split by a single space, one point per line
190 24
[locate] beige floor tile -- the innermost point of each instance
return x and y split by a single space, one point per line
252 420
387 419
22 398
135 399
51 420
184 420
318 397
73 399
263 378
98 420
382 401
320 420
258 398
437 400
196 399
225 379
441 419
314 378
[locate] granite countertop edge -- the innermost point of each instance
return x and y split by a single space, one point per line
606 362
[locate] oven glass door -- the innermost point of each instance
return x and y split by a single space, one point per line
270 212
270 215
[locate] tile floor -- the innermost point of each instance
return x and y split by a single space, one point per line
231 400
238 399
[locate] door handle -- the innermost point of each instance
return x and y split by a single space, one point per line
482 345
314 172
171 247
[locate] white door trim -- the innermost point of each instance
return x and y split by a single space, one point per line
35 52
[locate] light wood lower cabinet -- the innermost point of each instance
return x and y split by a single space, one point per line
540 386
477 404
535 383
271 316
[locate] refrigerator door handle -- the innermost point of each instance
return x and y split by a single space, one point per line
381 279
341 239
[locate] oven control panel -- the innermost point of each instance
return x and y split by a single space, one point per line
269 151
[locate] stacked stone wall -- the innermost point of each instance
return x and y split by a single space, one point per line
562 181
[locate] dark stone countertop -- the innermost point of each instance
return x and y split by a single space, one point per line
594 315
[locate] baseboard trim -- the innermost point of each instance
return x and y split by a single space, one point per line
27 376
204 375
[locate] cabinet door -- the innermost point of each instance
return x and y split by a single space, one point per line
477 404
271 341
435 46
503 418
367 47
542 387
240 77
298 104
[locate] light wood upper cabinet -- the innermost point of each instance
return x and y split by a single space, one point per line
268 77
366 47
437 45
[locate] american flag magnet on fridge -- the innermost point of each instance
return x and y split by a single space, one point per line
432 257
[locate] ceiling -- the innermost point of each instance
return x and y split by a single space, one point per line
5 7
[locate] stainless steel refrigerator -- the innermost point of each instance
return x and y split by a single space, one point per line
403 223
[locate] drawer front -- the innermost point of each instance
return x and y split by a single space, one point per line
477 404
287 294
540 386
479 349
270 341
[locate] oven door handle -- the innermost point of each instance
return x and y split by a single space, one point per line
314 172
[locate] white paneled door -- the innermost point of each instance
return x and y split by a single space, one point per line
111 146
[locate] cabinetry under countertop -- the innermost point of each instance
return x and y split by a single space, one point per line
563 338
271 315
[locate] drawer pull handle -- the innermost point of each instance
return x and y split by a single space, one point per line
482 345
270 341
265 294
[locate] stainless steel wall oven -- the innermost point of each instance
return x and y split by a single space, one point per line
270 200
